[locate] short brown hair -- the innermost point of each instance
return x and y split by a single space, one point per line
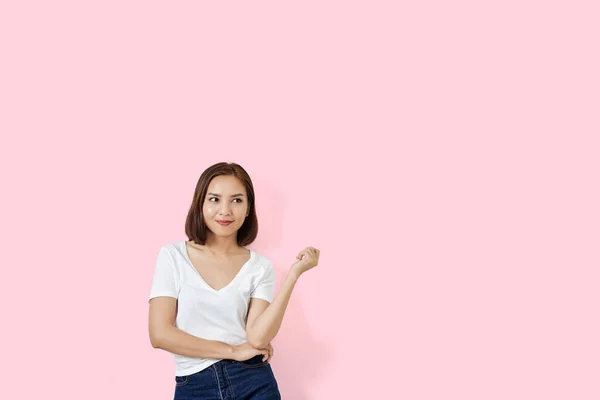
196 229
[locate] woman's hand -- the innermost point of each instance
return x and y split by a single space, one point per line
245 352
270 354
307 259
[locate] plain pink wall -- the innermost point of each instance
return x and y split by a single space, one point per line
444 156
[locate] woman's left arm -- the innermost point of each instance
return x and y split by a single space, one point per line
264 319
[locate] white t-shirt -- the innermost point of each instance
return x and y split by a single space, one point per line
205 312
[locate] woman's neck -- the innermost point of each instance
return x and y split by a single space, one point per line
222 246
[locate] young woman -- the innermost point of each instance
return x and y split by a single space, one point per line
211 301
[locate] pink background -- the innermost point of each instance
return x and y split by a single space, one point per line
444 156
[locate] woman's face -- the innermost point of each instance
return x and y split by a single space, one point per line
226 200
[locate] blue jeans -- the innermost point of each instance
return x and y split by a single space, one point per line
252 379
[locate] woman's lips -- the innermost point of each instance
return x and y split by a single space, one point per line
224 223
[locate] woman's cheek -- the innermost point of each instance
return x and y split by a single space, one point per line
209 210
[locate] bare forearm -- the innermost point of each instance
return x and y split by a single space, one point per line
267 325
176 341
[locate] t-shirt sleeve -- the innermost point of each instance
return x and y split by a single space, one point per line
265 289
166 280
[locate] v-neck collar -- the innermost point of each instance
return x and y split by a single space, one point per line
189 260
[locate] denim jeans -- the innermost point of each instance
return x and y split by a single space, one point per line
252 379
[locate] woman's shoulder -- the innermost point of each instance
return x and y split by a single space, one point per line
258 256
173 245
174 249
261 262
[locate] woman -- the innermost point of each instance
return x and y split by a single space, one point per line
211 301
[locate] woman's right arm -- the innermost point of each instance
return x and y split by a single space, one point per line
164 335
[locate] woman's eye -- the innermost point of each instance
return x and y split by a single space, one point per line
210 199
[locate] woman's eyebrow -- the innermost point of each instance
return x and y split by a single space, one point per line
233 195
